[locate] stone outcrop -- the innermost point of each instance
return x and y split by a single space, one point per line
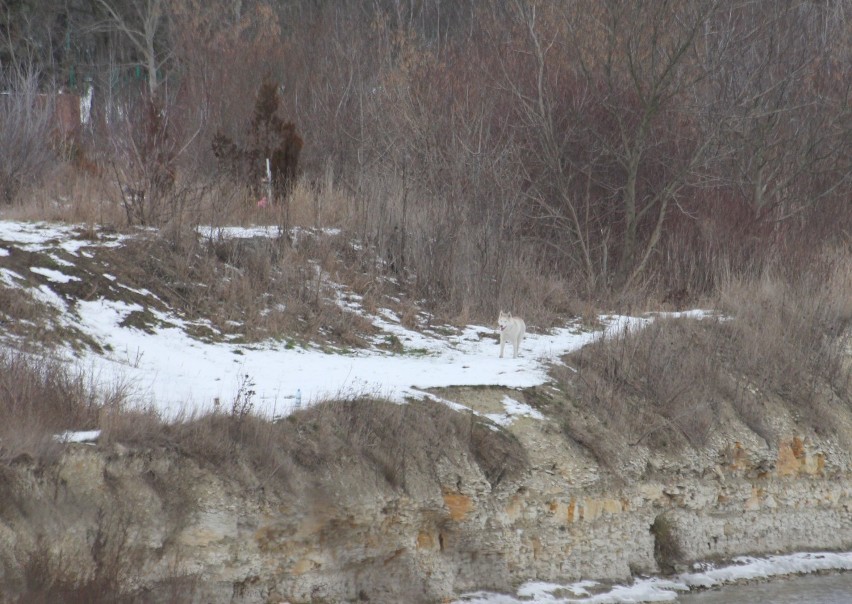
157 519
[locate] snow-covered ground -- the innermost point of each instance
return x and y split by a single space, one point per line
168 369
654 589
173 372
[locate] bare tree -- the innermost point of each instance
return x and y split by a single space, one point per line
25 134
610 99
787 133
142 23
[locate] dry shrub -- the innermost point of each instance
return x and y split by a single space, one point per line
67 194
457 254
355 442
133 423
25 145
262 287
791 336
534 292
667 549
20 311
39 398
595 435
652 385
402 443
320 204
662 385
226 203
48 579
143 147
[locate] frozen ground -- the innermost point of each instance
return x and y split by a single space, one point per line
173 372
168 369
654 589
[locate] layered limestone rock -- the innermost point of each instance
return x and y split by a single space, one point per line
157 519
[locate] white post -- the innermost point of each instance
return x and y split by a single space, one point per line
268 182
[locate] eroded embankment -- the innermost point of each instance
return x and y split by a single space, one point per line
456 509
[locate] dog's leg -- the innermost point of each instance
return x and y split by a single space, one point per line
502 344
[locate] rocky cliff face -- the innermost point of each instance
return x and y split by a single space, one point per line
162 523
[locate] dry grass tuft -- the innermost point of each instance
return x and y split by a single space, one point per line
663 385
419 253
48 579
667 550
69 195
791 338
256 288
356 441
650 385
39 398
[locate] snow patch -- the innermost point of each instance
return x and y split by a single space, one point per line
656 589
86 436
514 409
53 275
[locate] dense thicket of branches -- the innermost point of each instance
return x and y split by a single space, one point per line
612 144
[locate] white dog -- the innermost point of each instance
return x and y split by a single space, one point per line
511 329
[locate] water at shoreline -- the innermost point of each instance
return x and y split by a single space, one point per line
833 588
805 577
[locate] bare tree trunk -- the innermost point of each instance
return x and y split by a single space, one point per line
141 30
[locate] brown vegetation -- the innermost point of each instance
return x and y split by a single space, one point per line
497 153
398 443
667 551
40 398
385 444
543 157
667 385
340 449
